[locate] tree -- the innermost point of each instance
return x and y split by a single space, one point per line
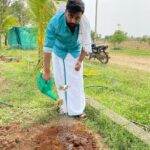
118 37
148 40
6 20
42 11
144 38
98 36
19 10
4 5
107 37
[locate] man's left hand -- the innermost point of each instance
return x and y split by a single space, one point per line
78 65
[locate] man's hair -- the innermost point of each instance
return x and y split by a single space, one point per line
75 6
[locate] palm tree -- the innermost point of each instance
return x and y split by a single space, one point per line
8 22
42 11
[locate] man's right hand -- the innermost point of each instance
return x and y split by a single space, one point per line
46 70
46 76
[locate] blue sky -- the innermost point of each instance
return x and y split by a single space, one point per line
133 15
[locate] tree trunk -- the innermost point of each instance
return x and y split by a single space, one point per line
40 49
5 39
0 41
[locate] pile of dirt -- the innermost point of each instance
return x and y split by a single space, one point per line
65 134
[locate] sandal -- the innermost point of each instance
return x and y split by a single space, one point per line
81 117
59 109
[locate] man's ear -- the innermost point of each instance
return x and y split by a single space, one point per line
66 11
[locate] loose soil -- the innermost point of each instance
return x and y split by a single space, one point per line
9 59
62 134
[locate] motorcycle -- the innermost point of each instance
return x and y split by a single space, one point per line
99 52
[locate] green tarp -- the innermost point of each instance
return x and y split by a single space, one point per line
22 38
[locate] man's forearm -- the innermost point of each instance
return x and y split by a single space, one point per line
47 61
82 55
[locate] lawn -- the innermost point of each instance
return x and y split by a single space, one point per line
123 90
20 90
132 52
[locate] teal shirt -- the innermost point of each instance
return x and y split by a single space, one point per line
60 39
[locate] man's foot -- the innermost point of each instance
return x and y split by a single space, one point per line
60 102
59 110
81 117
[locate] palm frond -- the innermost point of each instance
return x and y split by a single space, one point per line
9 22
42 11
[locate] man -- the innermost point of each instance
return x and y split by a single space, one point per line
64 35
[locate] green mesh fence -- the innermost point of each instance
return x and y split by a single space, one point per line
23 38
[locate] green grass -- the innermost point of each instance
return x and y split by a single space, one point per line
116 137
132 52
126 91
30 106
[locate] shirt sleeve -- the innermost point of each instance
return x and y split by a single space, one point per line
85 34
50 38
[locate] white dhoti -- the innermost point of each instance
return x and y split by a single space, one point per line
65 74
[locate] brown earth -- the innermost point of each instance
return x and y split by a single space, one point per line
136 44
138 63
63 134
9 59
131 62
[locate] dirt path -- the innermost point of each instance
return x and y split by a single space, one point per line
131 61
63 134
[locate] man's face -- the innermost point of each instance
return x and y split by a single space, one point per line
73 18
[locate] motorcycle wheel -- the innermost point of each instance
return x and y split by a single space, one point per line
103 57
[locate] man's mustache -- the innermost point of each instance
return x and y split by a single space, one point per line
72 24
